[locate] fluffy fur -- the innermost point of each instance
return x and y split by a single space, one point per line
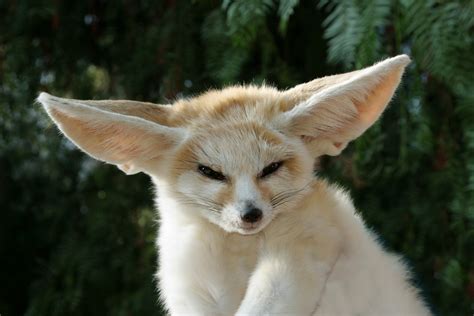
309 252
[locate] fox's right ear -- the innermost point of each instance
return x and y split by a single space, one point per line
125 133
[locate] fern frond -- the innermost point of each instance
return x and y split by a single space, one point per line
222 64
442 39
375 18
285 10
245 18
343 31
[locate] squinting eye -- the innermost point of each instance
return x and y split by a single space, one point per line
210 173
271 168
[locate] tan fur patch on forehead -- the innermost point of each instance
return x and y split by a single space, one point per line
230 104
247 137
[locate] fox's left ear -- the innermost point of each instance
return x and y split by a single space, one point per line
332 111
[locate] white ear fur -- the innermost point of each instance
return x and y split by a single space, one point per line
345 107
123 140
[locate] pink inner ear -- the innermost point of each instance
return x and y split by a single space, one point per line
376 101
368 110
107 141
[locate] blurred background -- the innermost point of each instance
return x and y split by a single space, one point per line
77 236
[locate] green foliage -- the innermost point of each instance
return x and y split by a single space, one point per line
442 39
77 237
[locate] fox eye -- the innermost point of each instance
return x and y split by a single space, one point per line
210 173
271 168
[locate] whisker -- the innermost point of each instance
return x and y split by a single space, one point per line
207 207
201 201
283 197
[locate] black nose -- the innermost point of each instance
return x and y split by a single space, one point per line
252 215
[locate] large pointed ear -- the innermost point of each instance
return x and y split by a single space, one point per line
332 111
124 133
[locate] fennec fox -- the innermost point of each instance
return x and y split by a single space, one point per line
246 228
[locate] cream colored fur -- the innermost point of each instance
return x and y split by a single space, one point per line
310 253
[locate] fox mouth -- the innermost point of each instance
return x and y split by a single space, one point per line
248 231
250 228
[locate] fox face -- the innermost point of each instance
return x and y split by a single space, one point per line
241 175
236 157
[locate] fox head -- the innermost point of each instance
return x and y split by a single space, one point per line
237 157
